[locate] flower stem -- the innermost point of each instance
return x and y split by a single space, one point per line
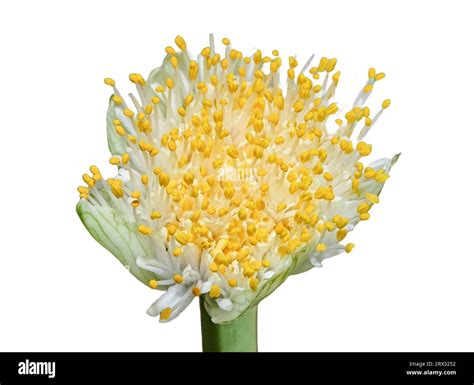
236 336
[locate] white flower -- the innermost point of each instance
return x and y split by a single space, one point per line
227 183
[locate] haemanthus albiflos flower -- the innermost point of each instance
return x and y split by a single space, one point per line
231 178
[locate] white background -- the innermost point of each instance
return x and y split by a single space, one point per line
407 286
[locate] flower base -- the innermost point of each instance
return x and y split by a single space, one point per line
236 336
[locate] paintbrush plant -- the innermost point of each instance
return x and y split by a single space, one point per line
231 177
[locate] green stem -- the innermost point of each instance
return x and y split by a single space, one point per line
236 336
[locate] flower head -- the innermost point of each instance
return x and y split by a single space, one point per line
231 179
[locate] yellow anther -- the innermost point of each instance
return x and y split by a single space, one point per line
135 194
148 110
145 230
322 154
379 76
372 198
109 82
320 247
323 62
214 267
180 42
117 100
364 148
223 211
172 145
328 176
215 291
275 64
195 216
292 62
174 61
170 50
381 176
364 216
83 190
233 152
188 100
225 41
165 314
182 237
224 64
369 172
128 112
293 245
120 130
178 278
368 88
169 83
386 103
232 282
114 160
253 283
341 234
340 221
196 291
188 178
372 73
281 207
331 65
155 215
363 207
164 179
153 283
125 158
137 79
116 187
144 178
160 89
171 228
349 247
355 185
177 252
298 106
229 192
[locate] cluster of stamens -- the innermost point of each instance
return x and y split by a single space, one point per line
223 163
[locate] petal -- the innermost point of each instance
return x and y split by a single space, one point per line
206 287
116 144
160 269
117 232
225 304
187 298
169 299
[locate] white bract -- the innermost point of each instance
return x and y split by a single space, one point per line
227 183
